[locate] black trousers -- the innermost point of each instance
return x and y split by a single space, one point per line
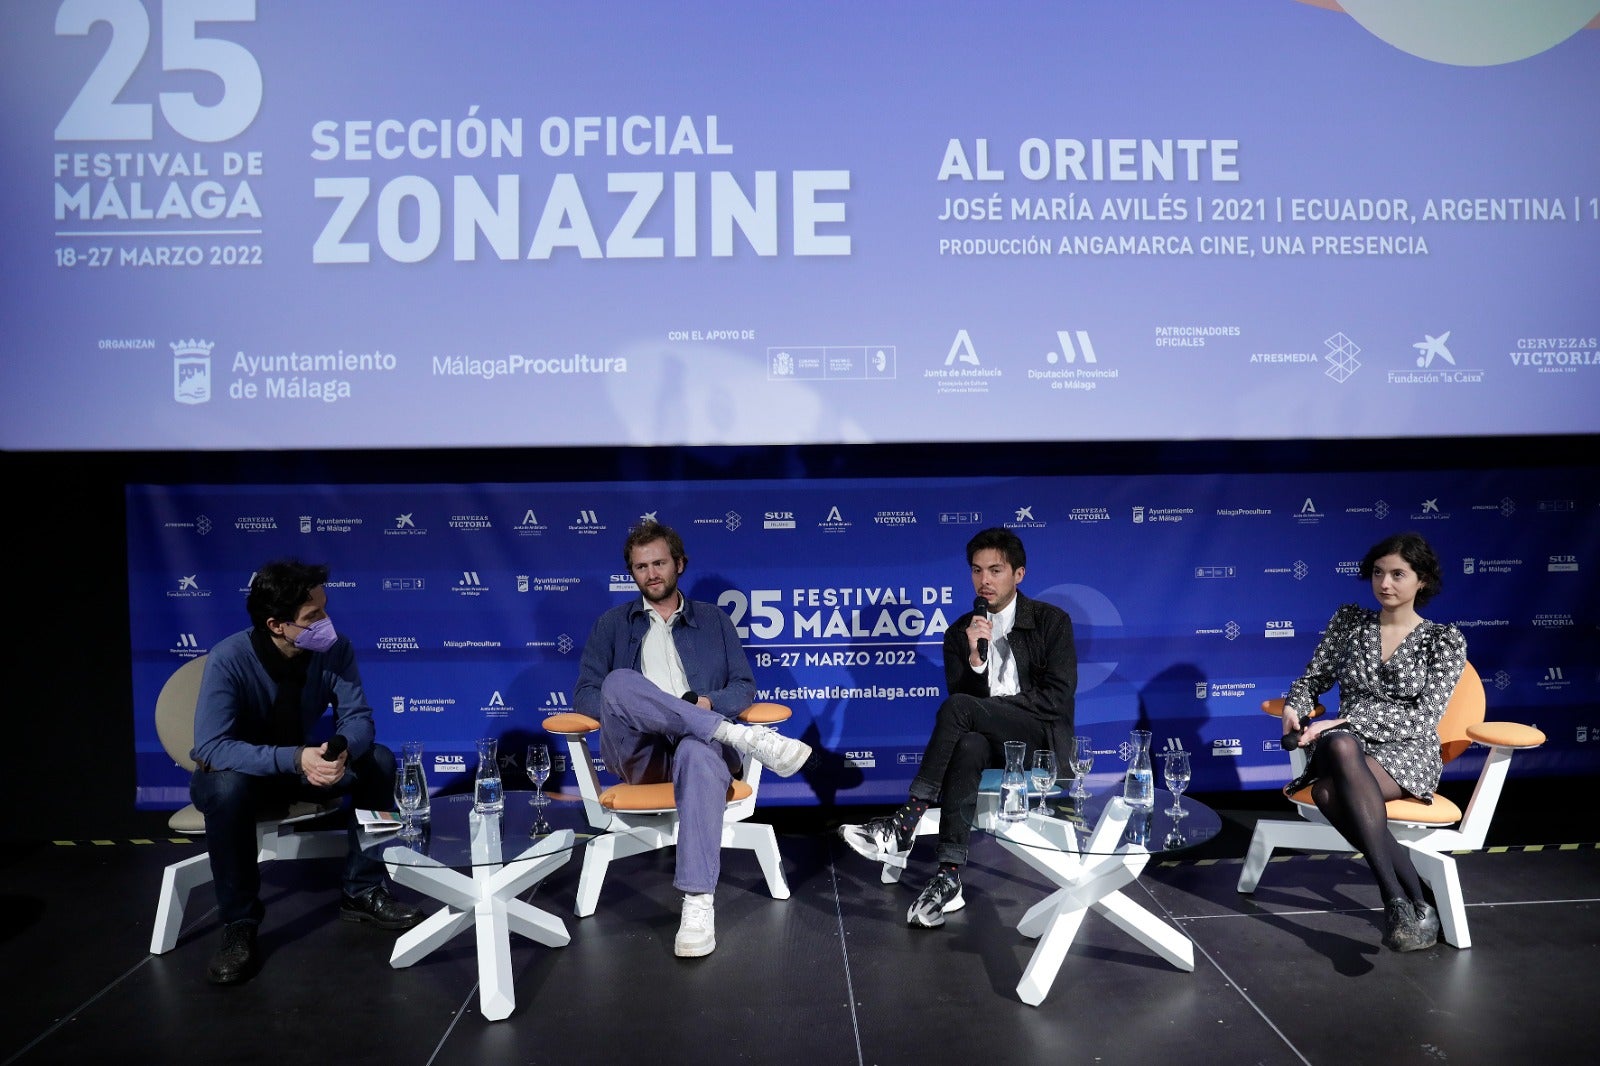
969 736
233 802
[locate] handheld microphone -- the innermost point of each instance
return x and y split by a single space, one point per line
336 745
1291 740
980 609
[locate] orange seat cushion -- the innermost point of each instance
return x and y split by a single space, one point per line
765 713
657 797
573 722
570 722
1440 812
1506 734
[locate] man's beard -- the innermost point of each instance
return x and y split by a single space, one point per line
669 591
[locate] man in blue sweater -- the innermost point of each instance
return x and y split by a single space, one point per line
262 693
667 678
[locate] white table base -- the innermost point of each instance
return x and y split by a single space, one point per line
485 900
1093 879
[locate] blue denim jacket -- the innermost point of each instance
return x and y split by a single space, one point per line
713 659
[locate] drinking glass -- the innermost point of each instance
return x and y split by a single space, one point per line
1043 774
538 767
408 797
1177 777
1082 763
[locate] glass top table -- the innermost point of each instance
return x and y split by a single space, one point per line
1091 849
1067 822
458 836
477 865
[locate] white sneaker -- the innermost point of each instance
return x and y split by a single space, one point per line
778 753
697 931
878 841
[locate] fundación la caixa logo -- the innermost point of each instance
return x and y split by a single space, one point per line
191 371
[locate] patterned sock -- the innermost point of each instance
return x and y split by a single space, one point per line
906 818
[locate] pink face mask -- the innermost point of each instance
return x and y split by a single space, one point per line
318 636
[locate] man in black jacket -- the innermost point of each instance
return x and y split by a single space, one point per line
1011 671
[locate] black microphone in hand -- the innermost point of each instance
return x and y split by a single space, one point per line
1291 739
336 745
980 609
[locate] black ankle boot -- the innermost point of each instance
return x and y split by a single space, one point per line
1427 923
1400 931
237 958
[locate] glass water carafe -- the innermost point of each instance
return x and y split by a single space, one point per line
1014 783
411 755
1139 783
488 793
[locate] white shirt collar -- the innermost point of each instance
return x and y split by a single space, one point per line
1003 620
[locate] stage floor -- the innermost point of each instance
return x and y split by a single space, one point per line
1293 974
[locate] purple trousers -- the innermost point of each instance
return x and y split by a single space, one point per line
648 736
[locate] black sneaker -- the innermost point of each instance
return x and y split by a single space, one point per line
236 960
878 840
942 896
380 909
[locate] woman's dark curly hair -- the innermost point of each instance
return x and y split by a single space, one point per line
1418 555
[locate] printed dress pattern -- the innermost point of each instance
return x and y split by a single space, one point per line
1394 707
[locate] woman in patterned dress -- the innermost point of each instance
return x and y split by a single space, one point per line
1395 671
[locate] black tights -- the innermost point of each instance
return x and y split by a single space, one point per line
1350 791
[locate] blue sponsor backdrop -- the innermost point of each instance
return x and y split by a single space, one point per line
1194 598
